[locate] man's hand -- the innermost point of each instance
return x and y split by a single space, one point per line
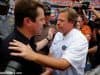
24 51
51 33
91 7
48 71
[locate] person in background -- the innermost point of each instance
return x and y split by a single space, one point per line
7 19
92 9
69 53
95 62
84 28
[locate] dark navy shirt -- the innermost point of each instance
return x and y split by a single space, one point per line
27 67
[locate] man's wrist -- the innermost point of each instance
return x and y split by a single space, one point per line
34 56
48 39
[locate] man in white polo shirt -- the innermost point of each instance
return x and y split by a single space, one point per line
69 51
71 47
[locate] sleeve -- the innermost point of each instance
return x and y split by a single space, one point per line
76 53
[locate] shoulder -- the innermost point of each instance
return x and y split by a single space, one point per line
58 36
77 35
8 39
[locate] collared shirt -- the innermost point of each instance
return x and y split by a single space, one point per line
27 67
73 47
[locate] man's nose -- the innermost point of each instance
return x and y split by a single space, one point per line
44 22
78 23
58 22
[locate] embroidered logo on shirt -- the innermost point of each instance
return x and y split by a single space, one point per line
64 47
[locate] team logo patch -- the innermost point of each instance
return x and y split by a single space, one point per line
64 47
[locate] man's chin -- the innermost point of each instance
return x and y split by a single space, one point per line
39 33
59 31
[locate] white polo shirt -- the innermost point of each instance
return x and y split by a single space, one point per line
73 47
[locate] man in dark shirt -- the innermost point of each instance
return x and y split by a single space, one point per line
29 20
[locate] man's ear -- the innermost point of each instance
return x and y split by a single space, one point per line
27 21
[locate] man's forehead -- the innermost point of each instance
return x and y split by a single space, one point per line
79 18
40 10
62 15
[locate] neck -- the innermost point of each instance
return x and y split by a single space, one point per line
25 32
67 32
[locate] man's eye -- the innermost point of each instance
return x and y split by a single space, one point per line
60 20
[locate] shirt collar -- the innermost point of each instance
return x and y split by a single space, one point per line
20 37
68 34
